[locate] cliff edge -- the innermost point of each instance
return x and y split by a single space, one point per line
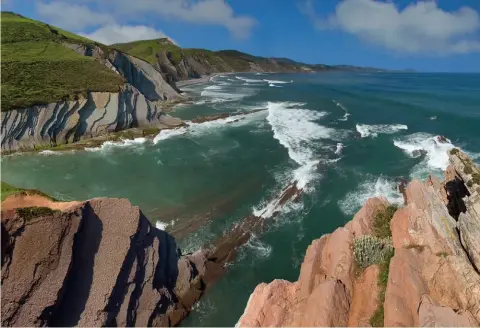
417 265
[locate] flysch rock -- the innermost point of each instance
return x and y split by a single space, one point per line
433 276
99 262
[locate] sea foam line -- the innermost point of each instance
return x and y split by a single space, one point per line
374 130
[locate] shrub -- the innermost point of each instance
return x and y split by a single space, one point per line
454 151
476 178
468 169
369 250
381 223
377 319
28 213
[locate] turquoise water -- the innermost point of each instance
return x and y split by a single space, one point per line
344 136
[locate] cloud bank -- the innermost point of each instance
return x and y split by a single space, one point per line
419 28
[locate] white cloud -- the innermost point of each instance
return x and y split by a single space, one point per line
127 33
421 27
72 16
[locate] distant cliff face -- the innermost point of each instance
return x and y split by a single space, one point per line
176 64
424 273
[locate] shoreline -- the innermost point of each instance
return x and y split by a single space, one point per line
203 79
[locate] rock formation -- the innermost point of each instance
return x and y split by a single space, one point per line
94 263
431 280
139 102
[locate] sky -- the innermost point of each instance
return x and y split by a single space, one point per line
424 35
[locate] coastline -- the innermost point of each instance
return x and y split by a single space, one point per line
203 79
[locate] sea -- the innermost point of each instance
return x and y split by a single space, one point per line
343 137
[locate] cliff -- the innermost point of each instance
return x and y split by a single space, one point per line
93 263
417 265
58 87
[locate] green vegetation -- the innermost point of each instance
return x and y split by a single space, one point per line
150 131
420 248
381 224
378 249
148 49
377 319
468 170
454 151
8 190
369 250
476 178
28 213
38 69
442 254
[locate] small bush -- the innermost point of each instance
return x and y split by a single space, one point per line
470 183
381 223
476 178
468 169
150 131
454 151
369 250
28 213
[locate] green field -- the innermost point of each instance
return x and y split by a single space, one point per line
38 69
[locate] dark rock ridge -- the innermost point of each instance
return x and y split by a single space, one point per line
99 263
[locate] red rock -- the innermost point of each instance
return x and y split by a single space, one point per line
362 221
365 298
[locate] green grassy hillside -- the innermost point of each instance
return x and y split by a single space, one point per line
37 69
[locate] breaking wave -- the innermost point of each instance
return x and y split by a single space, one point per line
273 85
434 148
346 115
110 145
277 81
168 133
374 130
339 148
261 249
248 80
372 187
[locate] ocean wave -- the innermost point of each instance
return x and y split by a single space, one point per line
432 118
168 133
372 187
275 86
434 149
339 148
277 81
110 145
50 153
248 80
346 115
259 248
217 96
161 225
374 130
213 87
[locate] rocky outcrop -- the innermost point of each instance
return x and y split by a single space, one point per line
138 103
95 263
433 277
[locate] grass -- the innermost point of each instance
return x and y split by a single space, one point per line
148 49
377 319
476 178
8 190
37 69
150 131
381 223
29 213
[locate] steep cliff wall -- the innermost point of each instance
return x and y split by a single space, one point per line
431 280
138 103
94 263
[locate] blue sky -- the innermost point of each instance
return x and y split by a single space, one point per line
442 35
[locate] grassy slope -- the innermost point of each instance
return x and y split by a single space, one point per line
37 69
8 190
236 60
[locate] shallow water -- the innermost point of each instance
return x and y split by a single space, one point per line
344 136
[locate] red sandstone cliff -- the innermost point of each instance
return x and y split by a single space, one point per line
431 280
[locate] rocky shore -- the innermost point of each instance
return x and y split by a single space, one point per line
417 265
101 262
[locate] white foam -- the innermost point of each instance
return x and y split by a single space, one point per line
168 133
49 152
339 148
436 152
372 187
276 81
109 145
249 80
374 130
217 96
161 225
275 86
261 249
346 115
213 87
432 118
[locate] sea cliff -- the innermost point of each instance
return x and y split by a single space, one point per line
417 265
